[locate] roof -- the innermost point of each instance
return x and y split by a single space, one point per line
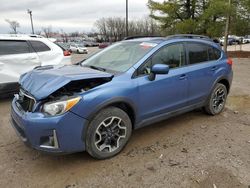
156 40
19 36
24 37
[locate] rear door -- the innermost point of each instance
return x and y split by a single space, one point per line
203 65
16 58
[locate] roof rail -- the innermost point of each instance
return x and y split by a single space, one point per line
35 36
140 36
192 36
188 36
21 35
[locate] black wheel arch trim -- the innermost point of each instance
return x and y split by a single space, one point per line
112 102
218 80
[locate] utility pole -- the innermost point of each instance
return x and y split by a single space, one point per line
227 25
126 18
31 20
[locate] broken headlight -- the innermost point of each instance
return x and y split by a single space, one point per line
59 107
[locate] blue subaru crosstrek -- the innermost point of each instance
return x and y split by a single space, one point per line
94 106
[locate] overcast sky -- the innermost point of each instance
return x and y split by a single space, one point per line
69 15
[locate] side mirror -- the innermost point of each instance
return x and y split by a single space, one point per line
158 69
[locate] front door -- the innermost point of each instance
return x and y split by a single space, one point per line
168 92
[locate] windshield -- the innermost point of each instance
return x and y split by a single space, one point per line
120 56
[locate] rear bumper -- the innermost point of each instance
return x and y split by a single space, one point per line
60 134
66 60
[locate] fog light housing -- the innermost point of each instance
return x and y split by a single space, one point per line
49 142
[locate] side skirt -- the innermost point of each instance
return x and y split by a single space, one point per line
167 115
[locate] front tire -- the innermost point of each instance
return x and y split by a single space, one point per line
217 100
108 133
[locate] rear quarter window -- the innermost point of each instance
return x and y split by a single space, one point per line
8 47
39 46
213 53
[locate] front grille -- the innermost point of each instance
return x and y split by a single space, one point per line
25 101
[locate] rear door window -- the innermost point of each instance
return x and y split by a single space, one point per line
8 47
197 53
39 46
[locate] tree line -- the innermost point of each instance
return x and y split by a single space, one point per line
114 28
207 17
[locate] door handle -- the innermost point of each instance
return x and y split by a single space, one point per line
183 76
214 68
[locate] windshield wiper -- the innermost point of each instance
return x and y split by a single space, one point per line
96 68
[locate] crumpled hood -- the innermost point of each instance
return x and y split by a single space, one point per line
42 82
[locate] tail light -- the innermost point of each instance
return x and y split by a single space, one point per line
66 53
230 61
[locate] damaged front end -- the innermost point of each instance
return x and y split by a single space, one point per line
57 89
78 86
66 97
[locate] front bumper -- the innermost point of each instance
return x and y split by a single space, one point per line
59 134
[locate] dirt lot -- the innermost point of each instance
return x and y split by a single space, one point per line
242 47
191 150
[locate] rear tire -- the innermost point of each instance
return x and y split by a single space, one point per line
217 100
108 133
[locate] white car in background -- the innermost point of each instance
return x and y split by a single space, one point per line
246 39
78 48
22 53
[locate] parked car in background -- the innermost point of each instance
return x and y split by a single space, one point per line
78 48
230 41
104 45
65 46
95 105
90 44
246 39
22 53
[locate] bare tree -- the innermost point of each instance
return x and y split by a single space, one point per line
64 36
101 26
13 25
75 34
47 31
114 28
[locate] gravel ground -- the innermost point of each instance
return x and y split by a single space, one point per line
191 150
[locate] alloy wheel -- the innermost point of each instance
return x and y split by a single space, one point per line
219 99
109 134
